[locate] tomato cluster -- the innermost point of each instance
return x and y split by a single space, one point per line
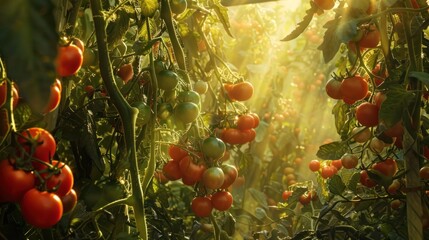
244 131
41 186
202 169
326 169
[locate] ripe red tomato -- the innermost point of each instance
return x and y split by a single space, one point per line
69 201
241 91
41 209
314 165
177 153
54 98
354 88
230 175
333 89
256 119
202 206
245 122
286 194
305 198
424 172
379 75
39 142
126 72
232 136
370 38
62 181
388 167
222 200
14 183
349 161
213 147
191 170
367 114
247 136
379 98
328 172
325 4
213 178
365 180
69 60
337 164
172 171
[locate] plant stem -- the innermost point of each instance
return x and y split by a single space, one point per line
411 141
127 114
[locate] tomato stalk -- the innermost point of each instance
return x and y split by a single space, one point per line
411 141
178 51
127 114
151 166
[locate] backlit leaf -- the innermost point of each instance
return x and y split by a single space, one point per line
301 26
334 150
336 185
148 7
331 43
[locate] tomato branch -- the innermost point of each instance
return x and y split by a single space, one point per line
127 114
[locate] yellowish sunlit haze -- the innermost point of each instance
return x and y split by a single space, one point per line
289 79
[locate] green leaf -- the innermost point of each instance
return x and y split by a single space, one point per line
342 123
29 43
421 76
396 103
301 26
334 150
354 180
331 43
148 7
336 185
222 13
259 197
